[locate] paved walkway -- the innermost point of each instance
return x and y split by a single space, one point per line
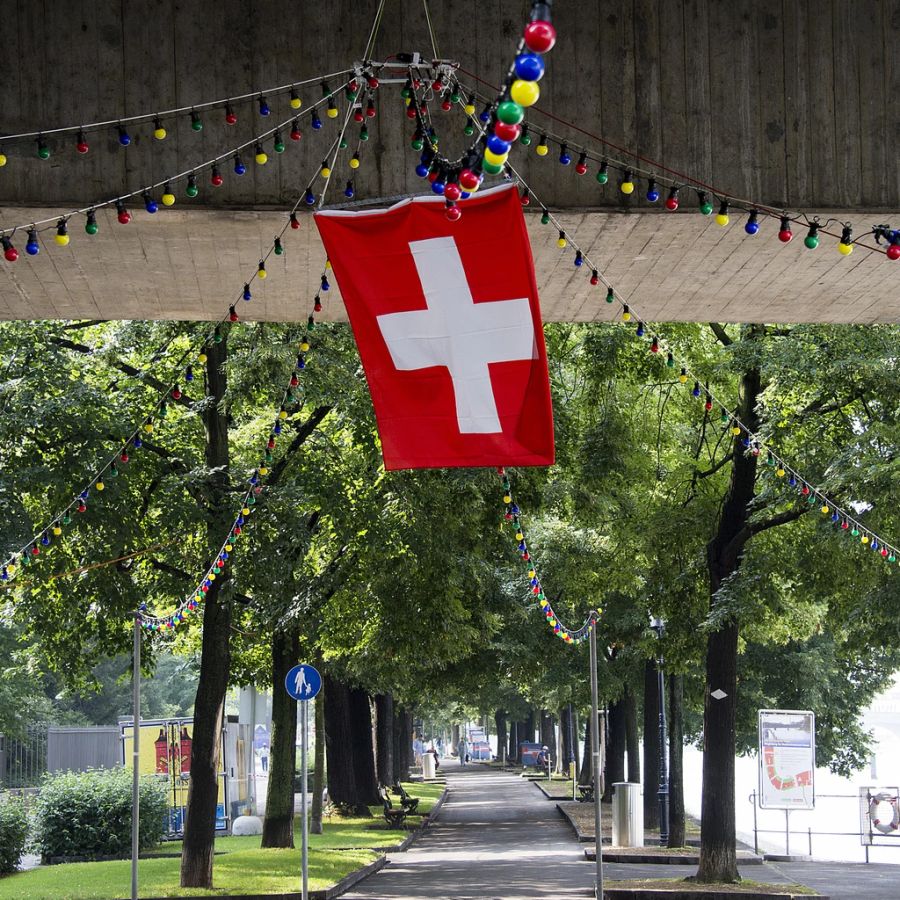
498 838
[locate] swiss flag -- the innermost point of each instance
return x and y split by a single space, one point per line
448 325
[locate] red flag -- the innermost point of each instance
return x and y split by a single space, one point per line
448 325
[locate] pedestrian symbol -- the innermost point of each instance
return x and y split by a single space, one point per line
303 682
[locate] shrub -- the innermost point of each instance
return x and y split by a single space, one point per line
88 814
13 830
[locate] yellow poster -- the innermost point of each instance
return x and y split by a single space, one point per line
165 753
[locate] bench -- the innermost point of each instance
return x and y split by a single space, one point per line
393 816
585 793
409 804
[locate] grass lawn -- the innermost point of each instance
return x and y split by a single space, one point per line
237 872
241 867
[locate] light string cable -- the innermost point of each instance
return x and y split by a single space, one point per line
42 537
514 515
61 220
191 601
226 102
679 180
751 441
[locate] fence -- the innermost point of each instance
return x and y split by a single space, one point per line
23 760
871 831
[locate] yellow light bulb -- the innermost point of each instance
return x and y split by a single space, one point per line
201 357
331 112
507 498
245 511
296 103
561 242
626 316
262 158
497 159
722 219
261 273
469 110
61 239
304 347
779 472
229 548
519 535
160 133
57 530
825 509
682 378
2 160
354 162
100 485
327 263
865 539
211 576
736 430
525 93
282 414
542 149
627 187
11 568
263 470
148 427
168 199
325 171
845 249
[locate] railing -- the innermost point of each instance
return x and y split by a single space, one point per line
867 834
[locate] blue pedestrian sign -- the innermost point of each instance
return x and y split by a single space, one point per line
303 682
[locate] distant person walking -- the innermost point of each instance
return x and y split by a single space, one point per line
462 750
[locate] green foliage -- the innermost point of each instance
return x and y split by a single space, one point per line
89 814
13 831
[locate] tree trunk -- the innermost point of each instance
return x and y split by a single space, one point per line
403 753
676 765
454 737
584 776
548 733
315 823
632 745
362 750
651 747
502 736
215 653
384 738
614 768
528 727
569 734
278 825
718 852
512 752
338 747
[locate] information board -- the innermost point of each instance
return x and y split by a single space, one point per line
787 759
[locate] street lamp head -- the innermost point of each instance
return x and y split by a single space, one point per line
657 624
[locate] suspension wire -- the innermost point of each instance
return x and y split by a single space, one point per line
376 26
434 46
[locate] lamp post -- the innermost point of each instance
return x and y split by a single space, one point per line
659 626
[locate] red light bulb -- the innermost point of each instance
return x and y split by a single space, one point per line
123 215
785 234
672 199
230 117
893 252
506 132
295 222
10 254
468 180
452 191
540 36
81 144
216 178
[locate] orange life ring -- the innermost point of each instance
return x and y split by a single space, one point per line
874 803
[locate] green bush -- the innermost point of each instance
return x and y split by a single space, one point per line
88 814
13 830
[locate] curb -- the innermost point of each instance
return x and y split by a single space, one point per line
623 893
663 859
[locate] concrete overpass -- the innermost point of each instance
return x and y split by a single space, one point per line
790 104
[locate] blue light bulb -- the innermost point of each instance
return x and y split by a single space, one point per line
32 248
752 225
421 170
239 167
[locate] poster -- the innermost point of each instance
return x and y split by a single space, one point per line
787 759
166 754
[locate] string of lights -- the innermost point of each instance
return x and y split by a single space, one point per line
708 199
27 553
146 193
513 515
457 179
749 440
192 601
160 118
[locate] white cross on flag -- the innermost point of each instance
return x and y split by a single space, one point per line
448 325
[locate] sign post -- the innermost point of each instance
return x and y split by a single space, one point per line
303 683
135 756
